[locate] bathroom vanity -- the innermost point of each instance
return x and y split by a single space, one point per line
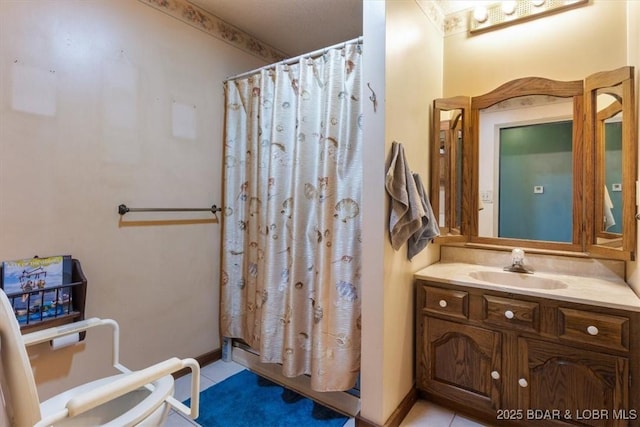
518 349
560 346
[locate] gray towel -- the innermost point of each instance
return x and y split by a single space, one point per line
406 209
429 229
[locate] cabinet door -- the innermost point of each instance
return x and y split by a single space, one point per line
588 387
461 363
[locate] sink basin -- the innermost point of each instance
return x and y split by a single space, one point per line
519 280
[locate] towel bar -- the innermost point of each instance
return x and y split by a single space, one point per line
123 209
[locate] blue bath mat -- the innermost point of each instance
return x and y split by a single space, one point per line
245 399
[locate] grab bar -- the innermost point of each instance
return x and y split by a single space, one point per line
123 209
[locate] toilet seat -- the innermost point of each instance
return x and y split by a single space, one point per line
140 407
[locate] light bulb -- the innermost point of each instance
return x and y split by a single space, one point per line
508 7
480 13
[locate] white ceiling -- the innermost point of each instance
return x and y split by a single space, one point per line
292 26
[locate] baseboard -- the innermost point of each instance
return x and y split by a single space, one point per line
403 409
397 416
203 360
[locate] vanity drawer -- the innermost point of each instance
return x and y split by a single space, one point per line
446 301
604 330
511 313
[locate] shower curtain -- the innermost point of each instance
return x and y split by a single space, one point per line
291 228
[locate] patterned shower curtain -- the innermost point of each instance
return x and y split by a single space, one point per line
291 229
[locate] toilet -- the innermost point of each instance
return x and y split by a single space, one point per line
132 398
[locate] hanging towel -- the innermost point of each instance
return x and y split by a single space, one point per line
429 228
609 220
406 209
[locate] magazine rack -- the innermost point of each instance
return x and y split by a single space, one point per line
69 307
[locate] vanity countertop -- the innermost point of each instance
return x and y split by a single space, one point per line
607 292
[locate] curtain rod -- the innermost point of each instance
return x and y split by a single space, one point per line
296 58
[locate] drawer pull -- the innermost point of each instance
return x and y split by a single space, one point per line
442 303
495 375
592 330
508 314
523 383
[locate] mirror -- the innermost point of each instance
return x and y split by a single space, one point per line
540 164
611 163
526 170
448 155
608 135
526 143
450 164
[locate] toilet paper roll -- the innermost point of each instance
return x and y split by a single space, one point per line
65 341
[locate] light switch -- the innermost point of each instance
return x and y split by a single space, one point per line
616 187
486 196
538 189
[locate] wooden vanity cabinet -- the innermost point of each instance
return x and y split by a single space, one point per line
512 359
571 379
462 359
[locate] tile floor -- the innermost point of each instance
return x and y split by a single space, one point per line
423 414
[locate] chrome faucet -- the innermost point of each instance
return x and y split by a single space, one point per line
517 262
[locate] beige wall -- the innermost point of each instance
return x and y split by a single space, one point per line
566 46
633 54
89 91
412 78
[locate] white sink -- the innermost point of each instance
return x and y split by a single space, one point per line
519 280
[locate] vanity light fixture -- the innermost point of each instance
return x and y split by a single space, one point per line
485 18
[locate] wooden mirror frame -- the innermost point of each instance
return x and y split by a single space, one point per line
623 80
529 86
588 164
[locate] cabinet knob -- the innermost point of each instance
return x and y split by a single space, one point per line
495 375
508 314
523 383
442 303
592 330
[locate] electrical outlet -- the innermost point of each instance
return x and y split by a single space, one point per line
538 189
486 196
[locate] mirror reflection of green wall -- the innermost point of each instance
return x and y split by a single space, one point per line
535 182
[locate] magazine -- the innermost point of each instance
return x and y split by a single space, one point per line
33 286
